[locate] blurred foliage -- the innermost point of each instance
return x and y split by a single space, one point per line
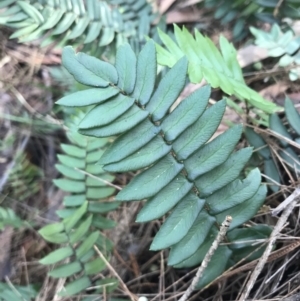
287 154
243 13
281 44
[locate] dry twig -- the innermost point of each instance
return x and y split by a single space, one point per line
261 263
207 258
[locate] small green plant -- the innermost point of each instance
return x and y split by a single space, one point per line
82 218
286 154
197 181
219 68
281 44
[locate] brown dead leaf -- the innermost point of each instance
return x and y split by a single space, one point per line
251 54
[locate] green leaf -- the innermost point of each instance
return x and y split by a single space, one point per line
99 192
277 126
87 97
170 44
216 266
87 244
97 181
101 222
72 221
178 223
156 177
224 173
146 74
70 172
125 122
213 153
65 23
258 143
73 150
58 238
71 162
79 71
70 185
31 11
130 142
126 68
57 255
65 270
150 153
75 287
165 199
94 267
291 158
197 134
186 113
93 31
193 239
168 90
84 227
246 210
206 61
103 69
52 229
234 193
107 285
199 255
79 28
107 111
102 207
74 200
271 171
292 115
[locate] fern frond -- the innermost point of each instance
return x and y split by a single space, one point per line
289 154
218 68
23 178
174 148
83 215
79 21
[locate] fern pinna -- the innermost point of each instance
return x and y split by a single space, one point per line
82 217
197 181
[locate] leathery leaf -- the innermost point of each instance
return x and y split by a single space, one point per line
234 193
198 133
156 177
213 153
186 113
193 239
107 112
165 199
178 223
168 90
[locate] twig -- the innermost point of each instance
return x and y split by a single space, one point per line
286 202
207 258
98 179
128 292
262 261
